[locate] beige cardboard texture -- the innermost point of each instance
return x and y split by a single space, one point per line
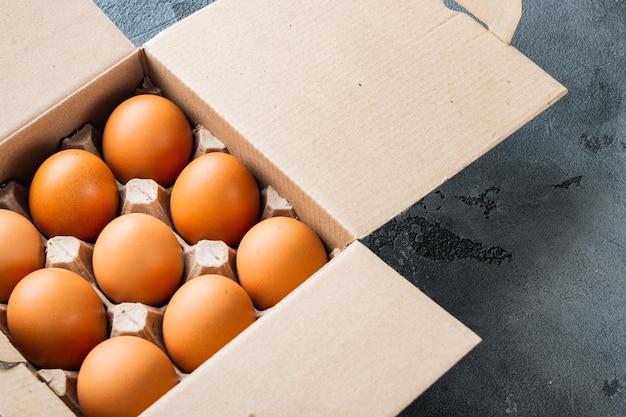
334 234
22 394
91 103
8 354
356 340
49 49
367 107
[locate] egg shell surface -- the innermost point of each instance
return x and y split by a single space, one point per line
204 315
275 257
123 376
22 250
55 318
73 193
215 197
137 258
147 136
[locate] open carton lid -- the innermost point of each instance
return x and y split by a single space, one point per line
367 106
48 50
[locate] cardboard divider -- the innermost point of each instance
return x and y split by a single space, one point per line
63 384
8 354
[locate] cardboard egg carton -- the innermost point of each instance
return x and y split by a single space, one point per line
352 111
136 196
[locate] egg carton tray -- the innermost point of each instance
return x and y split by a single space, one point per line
136 196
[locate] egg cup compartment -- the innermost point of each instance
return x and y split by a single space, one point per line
14 196
136 196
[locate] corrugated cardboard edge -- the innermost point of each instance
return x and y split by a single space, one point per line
48 50
356 339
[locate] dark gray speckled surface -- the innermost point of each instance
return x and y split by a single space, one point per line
527 246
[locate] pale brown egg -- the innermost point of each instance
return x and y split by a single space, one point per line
276 256
137 258
21 250
55 318
204 315
123 376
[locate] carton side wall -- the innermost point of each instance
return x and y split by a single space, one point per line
90 104
331 230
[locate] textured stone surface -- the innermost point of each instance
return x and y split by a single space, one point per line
527 246
141 20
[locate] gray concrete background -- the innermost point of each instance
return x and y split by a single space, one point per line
527 246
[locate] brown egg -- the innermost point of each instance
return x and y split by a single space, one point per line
73 193
215 198
55 318
147 136
204 315
137 258
276 256
123 376
21 249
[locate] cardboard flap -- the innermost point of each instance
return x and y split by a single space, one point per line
366 106
48 50
8 354
356 339
23 394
